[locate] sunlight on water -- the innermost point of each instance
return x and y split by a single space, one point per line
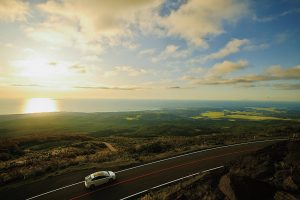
38 105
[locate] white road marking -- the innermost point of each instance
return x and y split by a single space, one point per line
158 161
55 190
173 181
195 152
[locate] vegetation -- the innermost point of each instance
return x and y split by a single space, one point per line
38 145
244 115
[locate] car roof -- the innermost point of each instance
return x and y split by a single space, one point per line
100 173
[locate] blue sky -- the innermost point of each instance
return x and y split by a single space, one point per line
181 49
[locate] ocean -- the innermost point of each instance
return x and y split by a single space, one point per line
20 106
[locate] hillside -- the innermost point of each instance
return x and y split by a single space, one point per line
270 173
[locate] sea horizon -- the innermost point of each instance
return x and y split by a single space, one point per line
20 106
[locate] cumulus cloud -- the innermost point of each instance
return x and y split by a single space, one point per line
96 16
91 25
62 33
105 22
13 10
128 70
227 67
196 20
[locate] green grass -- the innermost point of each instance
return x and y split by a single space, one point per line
131 118
242 115
253 117
213 115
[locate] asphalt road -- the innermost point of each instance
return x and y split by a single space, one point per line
132 180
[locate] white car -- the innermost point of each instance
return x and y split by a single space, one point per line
99 178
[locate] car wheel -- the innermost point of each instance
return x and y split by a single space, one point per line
92 187
110 180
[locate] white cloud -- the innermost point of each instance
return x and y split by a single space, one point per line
63 33
90 25
13 10
233 46
227 67
196 20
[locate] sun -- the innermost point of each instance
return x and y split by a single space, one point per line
38 105
43 71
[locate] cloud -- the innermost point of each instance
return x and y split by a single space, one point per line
95 16
253 47
13 10
227 67
90 25
196 20
27 85
233 46
107 88
287 86
277 71
62 33
128 70
147 52
174 87
78 68
52 63
80 87
274 17
226 81
170 51
178 88
197 70
273 73
282 37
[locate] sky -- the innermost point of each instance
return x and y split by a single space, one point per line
150 49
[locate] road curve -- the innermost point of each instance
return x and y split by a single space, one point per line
135 179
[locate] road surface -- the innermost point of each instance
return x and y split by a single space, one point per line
132 180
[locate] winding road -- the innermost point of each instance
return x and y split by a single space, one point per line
133 180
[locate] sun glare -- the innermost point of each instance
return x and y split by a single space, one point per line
38 105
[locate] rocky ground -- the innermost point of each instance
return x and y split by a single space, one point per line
270 173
